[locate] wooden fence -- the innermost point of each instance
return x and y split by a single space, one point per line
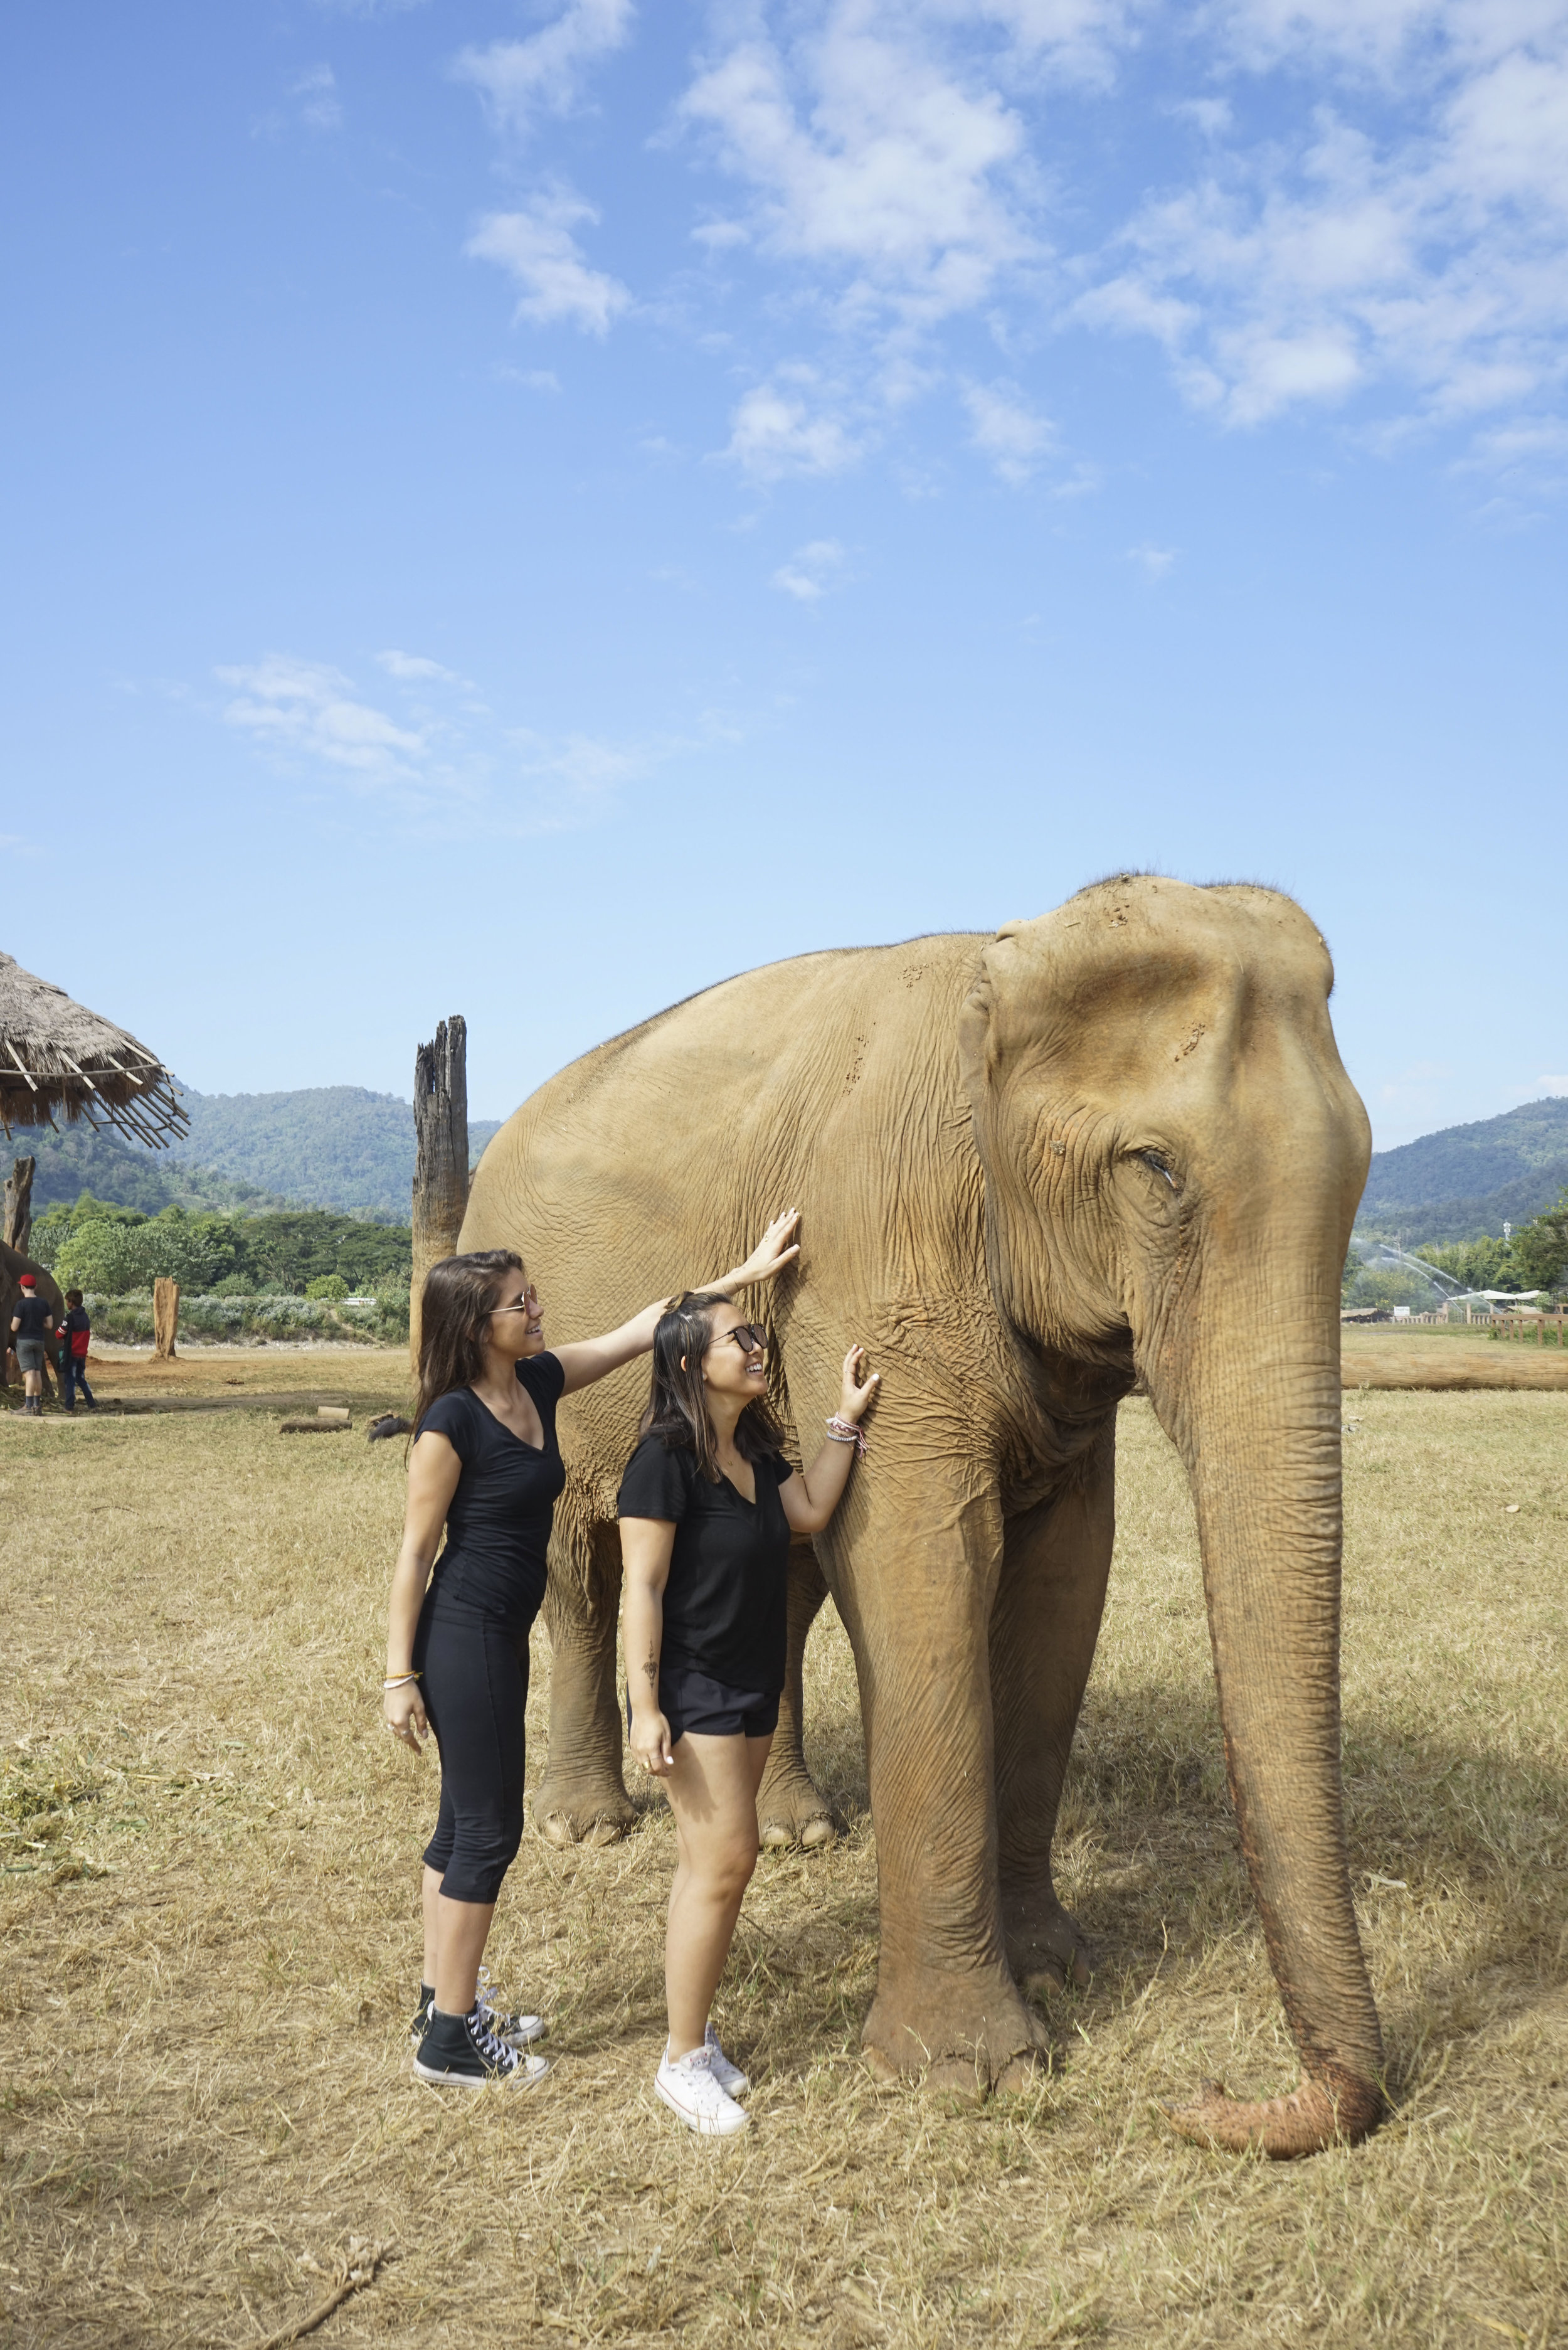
1546 1329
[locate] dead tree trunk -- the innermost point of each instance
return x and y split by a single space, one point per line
165 1317
18 1226
440 1157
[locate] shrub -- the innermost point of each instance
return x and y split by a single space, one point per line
329 1287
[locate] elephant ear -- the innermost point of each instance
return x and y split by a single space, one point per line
979 1032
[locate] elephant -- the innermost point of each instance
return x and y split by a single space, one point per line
1111 1147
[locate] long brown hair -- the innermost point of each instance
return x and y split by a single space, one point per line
677 1407
460 1295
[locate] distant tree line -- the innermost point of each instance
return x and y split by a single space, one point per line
298 1253
1533 1257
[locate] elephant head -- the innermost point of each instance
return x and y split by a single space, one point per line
1173 1157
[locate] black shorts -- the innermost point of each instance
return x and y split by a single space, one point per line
691 1700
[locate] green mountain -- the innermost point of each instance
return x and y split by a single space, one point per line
335 1147
80 1160
1468 1181
325 1146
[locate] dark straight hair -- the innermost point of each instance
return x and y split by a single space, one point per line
460 1295
678 1409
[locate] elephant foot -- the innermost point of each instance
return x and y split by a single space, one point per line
1046 1949
1311 2119
965 2034
791 1812
591 1813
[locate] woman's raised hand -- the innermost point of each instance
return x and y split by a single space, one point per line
772 1253
404 1709
855 1394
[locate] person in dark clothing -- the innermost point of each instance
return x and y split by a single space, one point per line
707 1508
76 1335
485 1465
31 1325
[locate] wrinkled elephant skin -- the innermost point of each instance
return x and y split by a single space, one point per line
1114 1143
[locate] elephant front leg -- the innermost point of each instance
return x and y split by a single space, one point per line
789 1809
582 1798
1055 1562
918 1608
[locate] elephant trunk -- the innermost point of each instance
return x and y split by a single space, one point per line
1255 1411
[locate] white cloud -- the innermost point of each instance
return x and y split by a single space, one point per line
870 158
1553 1085
449 763
416 668
1005 429
316 90
1420 253
520 80
538 249
1153 561
774 432
309 710
811 571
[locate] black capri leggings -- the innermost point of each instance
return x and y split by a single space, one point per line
475 1689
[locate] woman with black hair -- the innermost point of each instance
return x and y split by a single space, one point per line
485 1465
707 1508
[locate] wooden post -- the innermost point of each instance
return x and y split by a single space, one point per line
165 1317
440 1157
17 1229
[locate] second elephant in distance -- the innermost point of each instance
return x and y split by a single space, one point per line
1113 1142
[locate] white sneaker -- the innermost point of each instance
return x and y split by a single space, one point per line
689 2090
730 2077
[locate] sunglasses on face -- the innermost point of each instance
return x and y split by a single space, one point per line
526 1303
750 1337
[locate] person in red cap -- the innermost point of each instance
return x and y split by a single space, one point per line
30 1326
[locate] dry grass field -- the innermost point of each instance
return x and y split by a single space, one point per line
211 1953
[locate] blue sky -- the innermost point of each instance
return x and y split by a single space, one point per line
527 511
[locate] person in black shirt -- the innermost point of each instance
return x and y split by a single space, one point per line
30 1326
485 1465
707 1508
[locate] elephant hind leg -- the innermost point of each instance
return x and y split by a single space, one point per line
582 1798
790 1810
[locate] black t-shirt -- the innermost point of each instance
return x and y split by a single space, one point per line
498 1527
724 1604
32 1313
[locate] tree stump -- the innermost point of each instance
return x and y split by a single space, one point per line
165 1318
17 1228
440 1157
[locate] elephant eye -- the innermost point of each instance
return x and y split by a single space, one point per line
1158 1166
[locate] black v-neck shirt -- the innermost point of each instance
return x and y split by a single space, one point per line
498 1526
726 1609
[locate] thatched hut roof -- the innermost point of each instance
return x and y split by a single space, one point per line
57 1056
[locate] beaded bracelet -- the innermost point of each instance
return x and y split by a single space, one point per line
845 1431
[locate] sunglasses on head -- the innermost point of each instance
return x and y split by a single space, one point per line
750 1337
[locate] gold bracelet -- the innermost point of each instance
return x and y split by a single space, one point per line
400 1680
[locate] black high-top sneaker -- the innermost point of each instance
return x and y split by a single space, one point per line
422 2014
460 2052
518 2029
